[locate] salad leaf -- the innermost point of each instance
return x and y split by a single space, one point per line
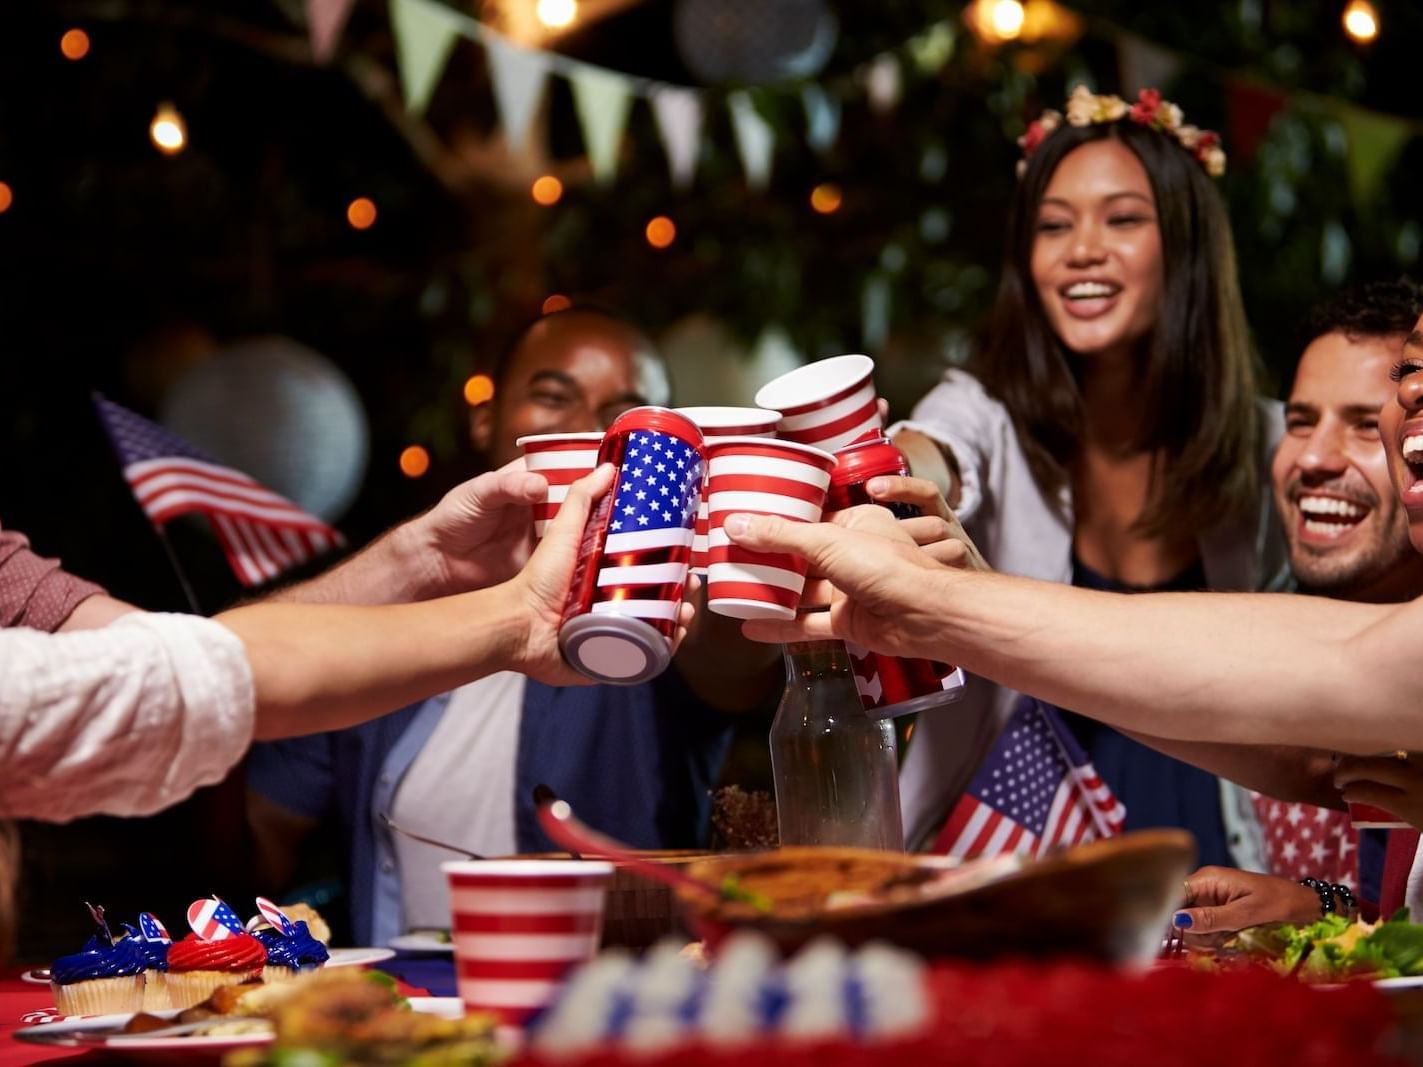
1398 943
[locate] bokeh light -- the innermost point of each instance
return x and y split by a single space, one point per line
1361 21
7 197
547 190
556 14
74 44
661 232
556 302
826 198
478 389
168 131
414 461
1006 18
361 213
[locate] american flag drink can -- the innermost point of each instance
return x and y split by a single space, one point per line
718 422
888 685
621 613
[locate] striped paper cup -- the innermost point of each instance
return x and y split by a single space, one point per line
828 404
562 458
717 422
1369 817
519 928
759 475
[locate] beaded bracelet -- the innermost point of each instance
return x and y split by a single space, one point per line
1328 891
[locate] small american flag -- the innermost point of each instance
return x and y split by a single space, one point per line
212 920
153 930
649 543
275 916
262 533
1035 792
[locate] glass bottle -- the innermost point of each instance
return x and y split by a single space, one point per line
836 769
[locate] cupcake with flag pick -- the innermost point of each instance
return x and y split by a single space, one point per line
151 941
218 952
103 977
291 949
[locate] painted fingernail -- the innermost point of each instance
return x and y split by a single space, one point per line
1182 920
736 525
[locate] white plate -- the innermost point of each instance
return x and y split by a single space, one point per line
421 941
1408 981
37 975
84 1031
355 957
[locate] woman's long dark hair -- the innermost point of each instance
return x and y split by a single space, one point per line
1199 377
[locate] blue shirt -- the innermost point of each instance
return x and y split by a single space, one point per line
637 762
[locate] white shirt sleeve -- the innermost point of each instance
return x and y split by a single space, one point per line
122 720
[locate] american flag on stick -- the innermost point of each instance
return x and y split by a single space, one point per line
1036 791
649 543
261 532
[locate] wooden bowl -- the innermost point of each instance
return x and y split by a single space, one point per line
1108 900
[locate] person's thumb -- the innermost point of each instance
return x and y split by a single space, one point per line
772 533
567 525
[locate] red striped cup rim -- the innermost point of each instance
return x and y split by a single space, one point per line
729 421
530 869
720 445
538 439
826 382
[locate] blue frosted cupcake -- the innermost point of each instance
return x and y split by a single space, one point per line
155 973
289 956
99 979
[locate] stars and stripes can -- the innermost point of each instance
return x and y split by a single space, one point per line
828 404
760 476
717 422
621 613
562 458
888 685
519 927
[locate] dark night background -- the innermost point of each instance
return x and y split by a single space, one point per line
121 267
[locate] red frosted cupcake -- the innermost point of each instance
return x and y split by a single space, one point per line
196 967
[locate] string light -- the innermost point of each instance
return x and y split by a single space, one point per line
7 197
1006 19
1361 21
826 198
74 44
478 389
547 190
556 302
557 14
168 131
661 232
361 213
414 461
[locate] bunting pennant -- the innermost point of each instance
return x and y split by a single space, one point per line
1145 66
1250 111
519 77
1374 142
424 35
325 19
602 100
884 82
822 118
678 113
755 140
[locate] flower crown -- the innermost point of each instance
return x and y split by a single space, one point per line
1086 108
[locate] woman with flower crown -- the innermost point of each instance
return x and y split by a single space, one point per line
1111 434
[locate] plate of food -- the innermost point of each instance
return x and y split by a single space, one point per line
1330 951
357 957
424 941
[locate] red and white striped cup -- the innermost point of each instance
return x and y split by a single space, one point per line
828 404
759 475
519 928
562 458
715 422
1369 817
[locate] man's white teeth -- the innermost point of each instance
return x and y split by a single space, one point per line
1091 290
1328 505
1325 529
1413 447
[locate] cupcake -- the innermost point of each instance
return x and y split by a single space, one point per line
154 953
290 954
197 967
101 978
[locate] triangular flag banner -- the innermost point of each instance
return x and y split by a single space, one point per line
822 117
755 140
1144 66
678 113
1249 112
1374 142
602 100
519 76
324 21
884 82
424 34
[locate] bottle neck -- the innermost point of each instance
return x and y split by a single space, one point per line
808 661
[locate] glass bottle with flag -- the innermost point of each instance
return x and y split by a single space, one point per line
836 770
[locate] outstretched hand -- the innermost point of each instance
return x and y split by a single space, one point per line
881 597
1393 782
1223 900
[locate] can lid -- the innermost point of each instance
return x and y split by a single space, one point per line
863 460
615 649
659 420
